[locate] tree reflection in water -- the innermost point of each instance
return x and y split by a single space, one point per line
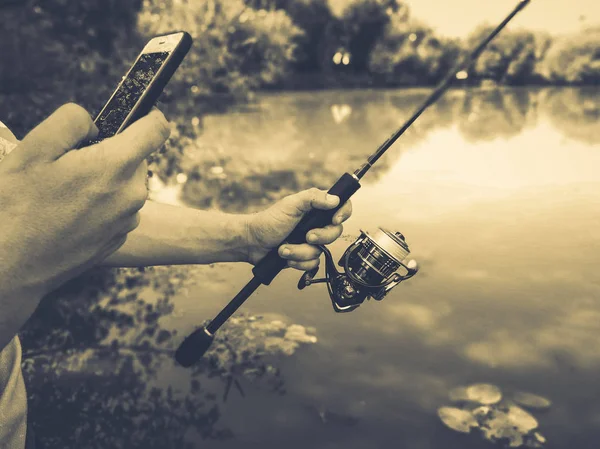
293 142
574 111
497 113
95 354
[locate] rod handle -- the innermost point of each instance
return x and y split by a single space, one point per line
272 264
193 347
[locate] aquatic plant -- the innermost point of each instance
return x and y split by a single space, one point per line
481 408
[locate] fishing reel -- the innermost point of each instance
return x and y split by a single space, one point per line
370 266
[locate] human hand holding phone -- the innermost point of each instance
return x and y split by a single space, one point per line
65 211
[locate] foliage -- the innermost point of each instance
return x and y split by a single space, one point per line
56 51
236 48
509 59
482 407
364 22
312 17
410 53
574 59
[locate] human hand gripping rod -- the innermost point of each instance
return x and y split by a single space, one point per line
197 343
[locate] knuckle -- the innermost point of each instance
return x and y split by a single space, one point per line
77 117
314 193
120 241
135 221
139 196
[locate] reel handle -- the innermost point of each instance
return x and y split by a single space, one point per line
271 265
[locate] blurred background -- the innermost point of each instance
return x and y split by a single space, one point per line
496 187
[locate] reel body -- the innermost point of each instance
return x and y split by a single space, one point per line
370 270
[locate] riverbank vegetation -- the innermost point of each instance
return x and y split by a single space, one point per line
63 50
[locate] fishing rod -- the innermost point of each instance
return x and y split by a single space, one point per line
370 263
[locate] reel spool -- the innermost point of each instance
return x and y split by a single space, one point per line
370 266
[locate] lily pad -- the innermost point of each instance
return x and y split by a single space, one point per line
532 401
278 344
296 332
508 423
457 419
520 419
459 394
484 394
496 419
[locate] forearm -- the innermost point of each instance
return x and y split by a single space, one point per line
171 235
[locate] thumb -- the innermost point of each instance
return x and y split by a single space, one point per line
313 199
59 133
135 143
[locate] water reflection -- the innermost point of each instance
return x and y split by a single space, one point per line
100 358
506 228
575 112
487 115
292 141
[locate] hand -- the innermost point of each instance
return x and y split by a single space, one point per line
65 211
267 229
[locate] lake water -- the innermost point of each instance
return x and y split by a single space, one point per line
498 195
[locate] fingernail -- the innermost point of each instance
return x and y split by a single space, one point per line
286 252
311 237
338 219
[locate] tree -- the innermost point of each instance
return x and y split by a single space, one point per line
509 59
364 22
574 59
55 51
410 53
237 48
312 17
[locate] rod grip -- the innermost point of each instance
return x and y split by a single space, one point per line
272 264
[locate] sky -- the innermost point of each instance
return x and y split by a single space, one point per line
457 18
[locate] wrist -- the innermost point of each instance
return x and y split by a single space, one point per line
234 243
250 245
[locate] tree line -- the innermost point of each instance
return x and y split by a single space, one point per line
59 50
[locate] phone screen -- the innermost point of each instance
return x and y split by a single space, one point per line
129 92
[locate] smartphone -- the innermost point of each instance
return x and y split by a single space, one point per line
140 88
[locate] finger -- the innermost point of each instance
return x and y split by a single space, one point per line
343 214
299 253
132 223
7 134
304 266
62 131
138 140
312 198
8 141
324 236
